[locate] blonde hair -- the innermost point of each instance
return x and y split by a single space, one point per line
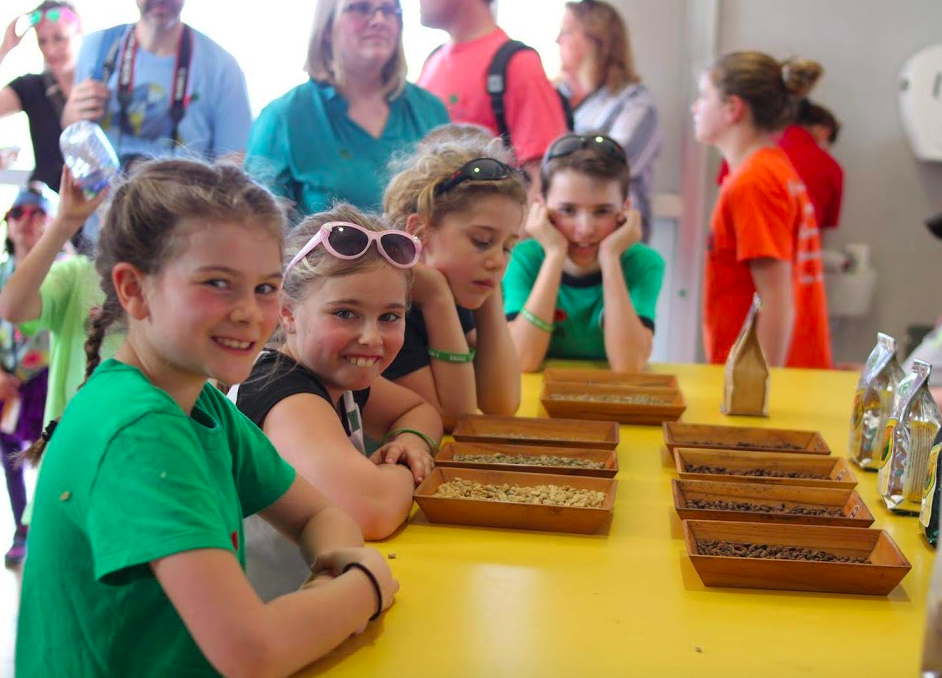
771 88
603 25
437 157
141 228
319 264
322 67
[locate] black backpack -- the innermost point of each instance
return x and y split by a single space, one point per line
497 86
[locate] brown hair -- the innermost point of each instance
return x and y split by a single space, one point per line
810 114
438 156
322 66
589 161
771 88
603 25
141 224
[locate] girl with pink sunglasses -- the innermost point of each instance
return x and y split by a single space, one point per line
319 391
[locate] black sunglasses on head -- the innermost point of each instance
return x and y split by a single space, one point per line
479 169
571 143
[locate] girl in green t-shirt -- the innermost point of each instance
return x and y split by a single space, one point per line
583 286
137 552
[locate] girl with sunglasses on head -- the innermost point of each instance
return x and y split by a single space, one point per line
764 237
584 286
43 96
319 389
137 549
459 195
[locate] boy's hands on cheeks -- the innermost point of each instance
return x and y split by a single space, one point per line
622 238
539 227
429 285
409 450
74 207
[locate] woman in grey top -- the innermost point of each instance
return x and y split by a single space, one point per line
606 93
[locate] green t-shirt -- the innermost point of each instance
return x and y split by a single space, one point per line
129 478
578 330
69 292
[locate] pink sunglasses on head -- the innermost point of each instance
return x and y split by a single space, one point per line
349 241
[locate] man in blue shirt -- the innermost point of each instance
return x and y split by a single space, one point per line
125 79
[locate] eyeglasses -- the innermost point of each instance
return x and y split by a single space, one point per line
572 143
349 241
479 169
20 212
364 11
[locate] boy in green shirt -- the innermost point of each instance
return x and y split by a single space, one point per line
583 286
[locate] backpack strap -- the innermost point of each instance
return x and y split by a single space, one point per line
497 84
107 59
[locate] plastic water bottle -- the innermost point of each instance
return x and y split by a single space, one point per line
89 156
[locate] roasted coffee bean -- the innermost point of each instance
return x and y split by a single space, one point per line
756 472
720 505
711 547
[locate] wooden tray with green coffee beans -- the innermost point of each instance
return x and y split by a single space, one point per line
529 458
640 405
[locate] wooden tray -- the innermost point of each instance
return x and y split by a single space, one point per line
836 469
478 428
625 412
854 513
601 377
887 567
741 437
446 457
514 515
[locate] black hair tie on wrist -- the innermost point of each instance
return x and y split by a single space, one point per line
369 575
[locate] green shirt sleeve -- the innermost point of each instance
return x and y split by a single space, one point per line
643 269
261 475
525 261
152 496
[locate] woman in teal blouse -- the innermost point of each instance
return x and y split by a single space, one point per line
331 138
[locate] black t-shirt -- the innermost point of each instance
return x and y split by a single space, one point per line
276 376
44 128
414 353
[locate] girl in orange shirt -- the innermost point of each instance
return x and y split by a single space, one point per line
763 233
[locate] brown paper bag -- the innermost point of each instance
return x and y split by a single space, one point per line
746 381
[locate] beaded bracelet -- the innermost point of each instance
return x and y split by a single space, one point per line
432 445
536 320
379 592
451 357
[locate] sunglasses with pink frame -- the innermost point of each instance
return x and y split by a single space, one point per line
350 241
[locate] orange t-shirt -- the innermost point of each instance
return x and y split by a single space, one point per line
763 211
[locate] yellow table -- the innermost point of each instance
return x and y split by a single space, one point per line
490 602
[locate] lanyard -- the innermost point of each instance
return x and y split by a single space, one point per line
354 421
181 77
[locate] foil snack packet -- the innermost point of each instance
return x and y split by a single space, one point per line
873 401
929 514
908 435
746 379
